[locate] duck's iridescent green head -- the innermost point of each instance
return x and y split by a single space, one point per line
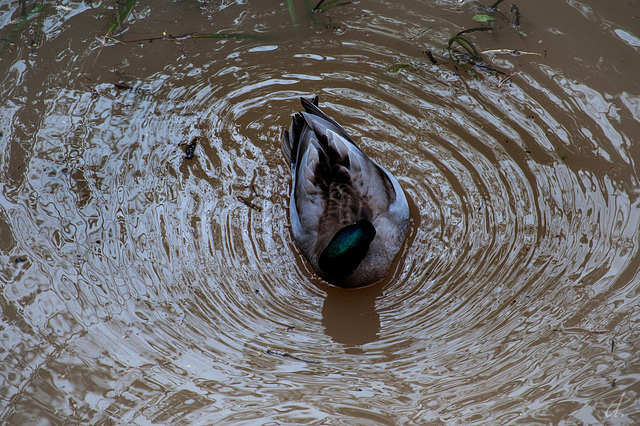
347 248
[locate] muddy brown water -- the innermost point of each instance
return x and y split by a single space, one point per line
140 287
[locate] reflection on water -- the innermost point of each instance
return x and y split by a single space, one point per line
138 286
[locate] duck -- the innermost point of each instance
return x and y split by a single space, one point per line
349 216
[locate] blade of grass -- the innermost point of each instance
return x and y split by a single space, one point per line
38 36
466 44
122 12
291 11
399 67
310 12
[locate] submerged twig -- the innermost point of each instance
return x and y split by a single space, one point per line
513 52
286 355
182 37
247 202
581 330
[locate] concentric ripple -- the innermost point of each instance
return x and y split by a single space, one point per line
143 287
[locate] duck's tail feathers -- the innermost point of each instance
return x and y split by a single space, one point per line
291 138
285 140
311 107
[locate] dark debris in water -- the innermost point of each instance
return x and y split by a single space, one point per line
182 37
430 56
248 201
286 355
190 150
122 86
461 51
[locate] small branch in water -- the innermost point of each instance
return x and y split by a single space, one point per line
581 330
420 34
511 52
286 355
247 202
182 37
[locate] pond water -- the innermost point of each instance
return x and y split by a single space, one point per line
141 287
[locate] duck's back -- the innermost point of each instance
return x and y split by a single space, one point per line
334 184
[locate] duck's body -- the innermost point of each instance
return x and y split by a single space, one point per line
349 216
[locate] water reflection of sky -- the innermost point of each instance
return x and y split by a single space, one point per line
140 287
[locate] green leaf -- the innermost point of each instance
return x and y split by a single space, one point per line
399 67
483 18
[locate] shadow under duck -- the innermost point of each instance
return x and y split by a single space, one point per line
349 216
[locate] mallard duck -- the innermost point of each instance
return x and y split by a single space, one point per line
349 216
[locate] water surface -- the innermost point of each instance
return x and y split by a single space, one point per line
141 287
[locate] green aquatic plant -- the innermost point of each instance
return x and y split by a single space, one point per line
122 10
292 12
26 18
462 51
483 18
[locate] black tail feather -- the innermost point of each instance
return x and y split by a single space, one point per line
311 107
285 141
